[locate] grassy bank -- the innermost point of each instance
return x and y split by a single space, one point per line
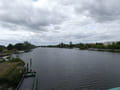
10 73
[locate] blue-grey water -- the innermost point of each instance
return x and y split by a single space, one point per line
73 69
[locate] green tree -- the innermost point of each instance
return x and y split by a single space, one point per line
2 47
10 47
71 45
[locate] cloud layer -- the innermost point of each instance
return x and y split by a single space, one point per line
54 21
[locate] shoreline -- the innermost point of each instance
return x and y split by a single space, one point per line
91 49
105 50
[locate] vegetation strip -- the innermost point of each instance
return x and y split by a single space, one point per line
107 46
11 72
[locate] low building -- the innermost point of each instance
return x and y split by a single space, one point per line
109 43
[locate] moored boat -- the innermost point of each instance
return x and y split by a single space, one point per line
28 82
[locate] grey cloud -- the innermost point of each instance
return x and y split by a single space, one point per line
99 10
25 15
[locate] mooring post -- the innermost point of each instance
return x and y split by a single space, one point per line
30 64
27 67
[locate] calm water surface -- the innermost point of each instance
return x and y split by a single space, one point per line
72 69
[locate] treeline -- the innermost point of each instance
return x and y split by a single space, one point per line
19 46
113 45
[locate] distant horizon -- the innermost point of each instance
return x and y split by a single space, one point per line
57 43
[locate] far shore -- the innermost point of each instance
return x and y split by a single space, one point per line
107 50
91 49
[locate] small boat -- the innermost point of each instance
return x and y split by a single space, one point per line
28 82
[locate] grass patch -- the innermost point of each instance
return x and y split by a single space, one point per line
6 67
11 72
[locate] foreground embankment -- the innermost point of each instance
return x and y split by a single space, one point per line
10 73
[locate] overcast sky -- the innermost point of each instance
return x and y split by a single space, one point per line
45 22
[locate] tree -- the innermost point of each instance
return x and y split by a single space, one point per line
24 46
61 45
19 46
10 47
118 43
2 47
71 45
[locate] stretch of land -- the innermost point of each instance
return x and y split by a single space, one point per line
17 48
106 46
11 73
12 69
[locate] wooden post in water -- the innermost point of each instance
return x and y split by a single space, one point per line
31 64
27 67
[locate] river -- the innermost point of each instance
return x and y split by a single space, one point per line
73 69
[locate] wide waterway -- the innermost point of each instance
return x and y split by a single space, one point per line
73 69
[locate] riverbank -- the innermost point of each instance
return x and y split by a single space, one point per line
17 48
104 50
10 73
109 47
91 49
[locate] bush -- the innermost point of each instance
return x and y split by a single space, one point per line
17 60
